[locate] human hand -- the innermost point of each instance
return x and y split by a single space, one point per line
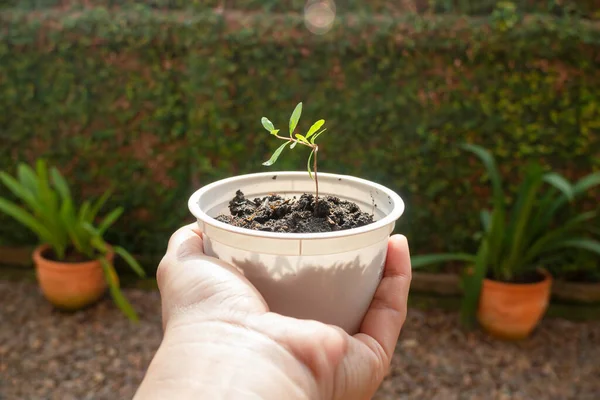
221 342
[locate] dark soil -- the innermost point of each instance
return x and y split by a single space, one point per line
275 214
526 278
71 256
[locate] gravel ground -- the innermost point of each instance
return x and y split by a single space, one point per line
97 354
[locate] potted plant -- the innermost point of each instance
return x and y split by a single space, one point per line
507 285
314 244
577 276
73 263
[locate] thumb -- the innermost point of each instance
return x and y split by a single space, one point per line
186 243
192 283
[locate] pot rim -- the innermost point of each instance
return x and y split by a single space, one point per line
397 210
520 286
39 250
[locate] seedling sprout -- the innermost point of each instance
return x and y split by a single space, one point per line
308 140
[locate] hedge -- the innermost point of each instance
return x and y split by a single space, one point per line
158 103
582 8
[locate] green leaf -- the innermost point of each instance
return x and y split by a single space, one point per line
275 155
28 179
109 220
116 294
135 266
490 164
293 145
47 197
421 261
486 219
42 173
582 186
495 239
314 138
472 287
583 243
267 124
301 138
274 132
98 243
90 229
549 209
27 220
83 211
520 221
543 215
71 224
20 191
315 127
98 205
496 233
61 184
548 241
561 184
308 163
586 183
295 117
36 192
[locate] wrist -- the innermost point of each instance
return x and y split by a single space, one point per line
221 359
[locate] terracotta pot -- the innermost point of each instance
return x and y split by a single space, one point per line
512 310
67 285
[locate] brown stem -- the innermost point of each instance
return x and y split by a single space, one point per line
293 140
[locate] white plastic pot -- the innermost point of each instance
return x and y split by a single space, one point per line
329 277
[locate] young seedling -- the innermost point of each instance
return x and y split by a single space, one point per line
307 140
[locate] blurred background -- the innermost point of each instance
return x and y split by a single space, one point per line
155 98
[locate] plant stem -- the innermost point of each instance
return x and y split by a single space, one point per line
316 150
294 140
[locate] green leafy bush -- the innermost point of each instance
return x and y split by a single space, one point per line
577 266
536 229
51 213
156 104
586 8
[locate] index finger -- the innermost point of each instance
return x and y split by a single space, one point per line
387 311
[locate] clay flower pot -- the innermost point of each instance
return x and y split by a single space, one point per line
329 277
68 285
512 310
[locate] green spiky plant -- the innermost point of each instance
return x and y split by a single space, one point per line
308 140
51 213
538 228
577 266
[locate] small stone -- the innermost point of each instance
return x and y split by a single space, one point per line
99 356
36 344
49 383
99 376
53 365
